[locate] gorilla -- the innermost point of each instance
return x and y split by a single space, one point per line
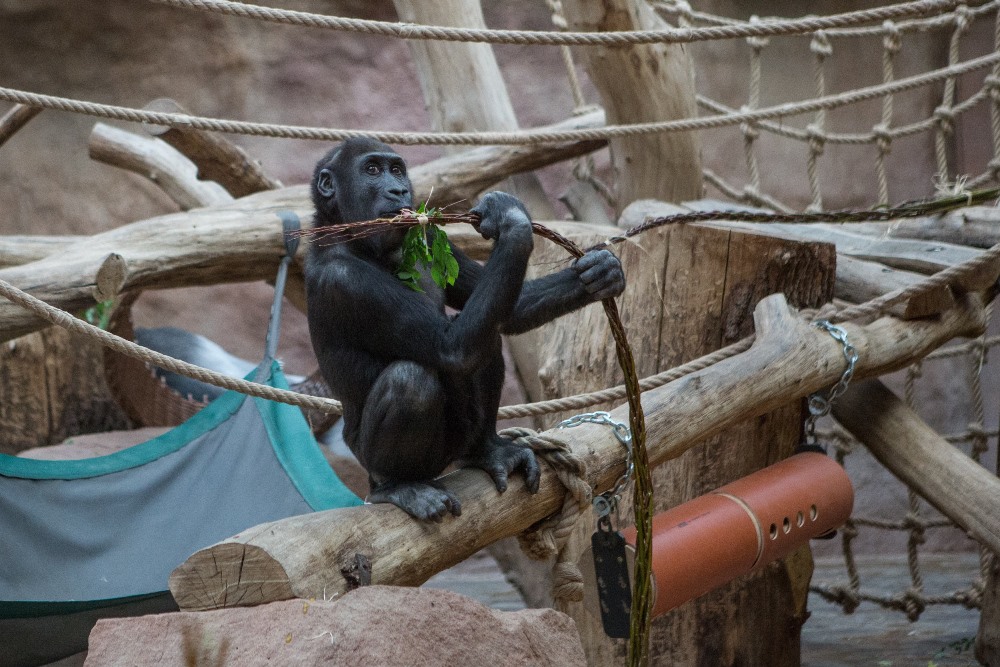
421 388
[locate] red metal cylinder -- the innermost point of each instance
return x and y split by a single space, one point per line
710 540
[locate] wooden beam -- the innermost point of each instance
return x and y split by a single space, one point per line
234 242
642 83
216 158
957 486
303 556
16 118
157 161
977 226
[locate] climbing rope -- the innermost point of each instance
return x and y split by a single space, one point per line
547 38
511 138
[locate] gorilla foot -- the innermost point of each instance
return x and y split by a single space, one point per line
501 457
426 501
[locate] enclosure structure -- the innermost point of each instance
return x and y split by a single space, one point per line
704 280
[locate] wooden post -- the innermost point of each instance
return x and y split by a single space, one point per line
711 283
957 486
463 88
638 84
988 637
691 290
52 387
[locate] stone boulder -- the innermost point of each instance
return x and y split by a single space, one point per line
373 625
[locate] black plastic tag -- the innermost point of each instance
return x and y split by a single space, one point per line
613 590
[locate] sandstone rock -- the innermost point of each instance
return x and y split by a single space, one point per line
375 625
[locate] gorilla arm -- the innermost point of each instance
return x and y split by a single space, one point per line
593 277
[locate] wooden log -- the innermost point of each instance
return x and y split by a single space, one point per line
712 280
453 178
957 486
463 87
159 162
22 249
903 254
16 118
235 242
217 158
977 226
642 83
857 281
303 556
52 387
988 637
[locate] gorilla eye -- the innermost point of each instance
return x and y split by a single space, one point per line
371 169
396 170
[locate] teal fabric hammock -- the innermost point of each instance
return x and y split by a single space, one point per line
84 539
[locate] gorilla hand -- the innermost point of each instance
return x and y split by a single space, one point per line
503 216
601 274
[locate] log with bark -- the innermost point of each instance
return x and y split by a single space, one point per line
235 242
216 158
303 556
158 161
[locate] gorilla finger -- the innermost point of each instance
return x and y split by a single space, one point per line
607 286
453 504
532 473
592 275
499 475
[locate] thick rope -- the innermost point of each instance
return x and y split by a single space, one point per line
683 8
519 137
550 537
549 38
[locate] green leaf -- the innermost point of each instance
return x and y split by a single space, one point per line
437 255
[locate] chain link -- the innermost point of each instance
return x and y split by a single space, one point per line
607 502
819 405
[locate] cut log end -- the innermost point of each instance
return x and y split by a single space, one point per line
229 575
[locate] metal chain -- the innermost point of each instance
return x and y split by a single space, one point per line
819 405
607 502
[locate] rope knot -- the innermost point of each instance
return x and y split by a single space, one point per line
820 45
893 40
914 604
817 140
757 42
749 130
992 84
962 18
945 117
549 536
883 138
917 527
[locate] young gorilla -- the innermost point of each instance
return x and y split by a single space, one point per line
421 389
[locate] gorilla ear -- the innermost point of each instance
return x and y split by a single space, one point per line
324 183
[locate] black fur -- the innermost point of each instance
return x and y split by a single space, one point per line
421 388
